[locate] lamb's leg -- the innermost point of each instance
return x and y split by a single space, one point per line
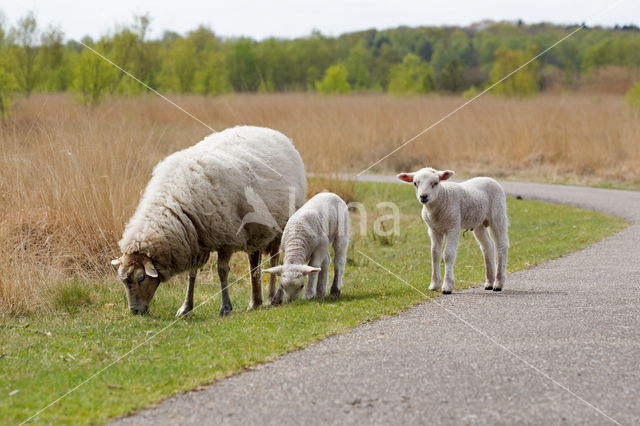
256 283
450 253
436 257
274 252
323 277
501 238
316 261
223 272
340 248
488 251
187 305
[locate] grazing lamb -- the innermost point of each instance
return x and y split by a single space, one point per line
322 221
198 200
448 207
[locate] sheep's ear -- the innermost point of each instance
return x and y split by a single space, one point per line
116 262
276 270
306 269
149 269
406 177
446 174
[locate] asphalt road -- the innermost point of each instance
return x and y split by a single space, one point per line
560 345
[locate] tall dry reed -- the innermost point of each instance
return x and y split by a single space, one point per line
70 175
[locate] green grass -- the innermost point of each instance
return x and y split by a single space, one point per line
47 354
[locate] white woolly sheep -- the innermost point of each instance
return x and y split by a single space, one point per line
322 221
448 207
203 199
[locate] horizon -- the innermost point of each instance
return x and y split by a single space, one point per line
236 24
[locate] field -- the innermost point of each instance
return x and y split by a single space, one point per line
47 353
71 175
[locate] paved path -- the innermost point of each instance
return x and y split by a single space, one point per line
561 344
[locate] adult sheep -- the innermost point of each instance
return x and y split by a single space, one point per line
233 191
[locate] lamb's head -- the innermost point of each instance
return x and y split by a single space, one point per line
426 182
292 278
140 278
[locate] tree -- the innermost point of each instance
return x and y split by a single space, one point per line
93 76
242 66
525 82
358 64
24 55
213 79
180 66
452 77
334 81
7 88
53 58
412 76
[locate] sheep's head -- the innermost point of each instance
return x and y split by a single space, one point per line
426 182
292 278
140 278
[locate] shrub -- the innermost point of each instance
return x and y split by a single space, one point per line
334 81
633 96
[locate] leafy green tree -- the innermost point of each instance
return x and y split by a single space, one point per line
8 87
93 76
358 64
25 52
179 66
334 81
53 59
212 78
412 76
525 82
452 77
243 67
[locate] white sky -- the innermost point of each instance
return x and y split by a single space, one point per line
292 18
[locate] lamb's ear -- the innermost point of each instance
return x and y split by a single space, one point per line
276 270
406 177
149 269
116 262
446 174
306 269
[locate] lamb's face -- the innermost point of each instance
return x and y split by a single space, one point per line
292 278
137 273
292 281
426 182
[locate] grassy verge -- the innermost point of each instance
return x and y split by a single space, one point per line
45 355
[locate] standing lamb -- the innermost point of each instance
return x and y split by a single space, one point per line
448 207
198 201
322 221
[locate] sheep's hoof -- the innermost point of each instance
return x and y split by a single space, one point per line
488 287
497 289
183 311
225 311
335 294
446 291
254 305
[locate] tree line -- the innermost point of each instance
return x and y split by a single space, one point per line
401 60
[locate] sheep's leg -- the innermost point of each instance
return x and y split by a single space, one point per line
436 257
501 237
340 248
187 305
450 253
316 261
256 283
273 261
223 272
488 251
323 277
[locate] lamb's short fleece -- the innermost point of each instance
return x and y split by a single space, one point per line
322 222
448 207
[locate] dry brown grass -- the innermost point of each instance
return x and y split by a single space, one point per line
70 176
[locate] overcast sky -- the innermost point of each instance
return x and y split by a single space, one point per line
292 18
